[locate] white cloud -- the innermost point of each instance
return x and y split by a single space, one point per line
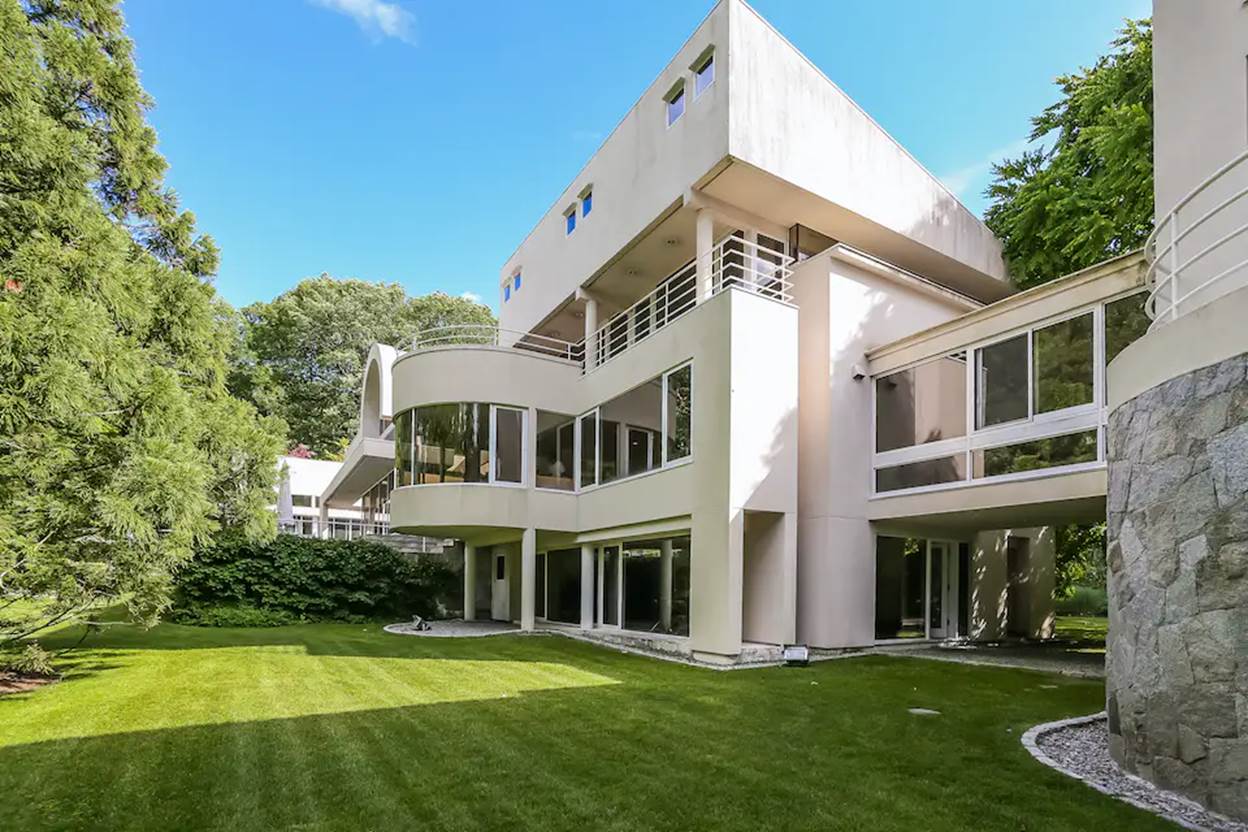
472 296
377 18
969 180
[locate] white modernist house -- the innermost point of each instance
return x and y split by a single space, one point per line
759 379
301 483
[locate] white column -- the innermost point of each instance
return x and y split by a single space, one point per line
322 529
751 264
470 582
665 586
704 239
591 331
587 586
528 578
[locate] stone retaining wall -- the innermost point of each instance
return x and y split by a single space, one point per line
1177 660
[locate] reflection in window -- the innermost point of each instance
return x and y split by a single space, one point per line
656 585
1001 382
916 474
403 447
450 443
1070 449
1062 354
609 465
508 445
1125 321
678 389
555 437
563 586
610 586
675 104
900 587
703 74
923 404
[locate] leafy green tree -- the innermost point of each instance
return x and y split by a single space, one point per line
303 353
121 449
1087 194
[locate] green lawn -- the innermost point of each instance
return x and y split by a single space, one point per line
346 727
1085 631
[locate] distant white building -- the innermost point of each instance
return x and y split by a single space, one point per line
299 503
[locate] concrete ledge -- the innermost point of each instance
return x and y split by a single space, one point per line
1212 333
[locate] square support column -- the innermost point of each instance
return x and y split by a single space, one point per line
470 582
587 586
665 585
528 578
704 241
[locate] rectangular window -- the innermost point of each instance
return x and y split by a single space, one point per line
656 586
640 411
923 404
403 447
916 474
569 220
1125 321
1062 364
301 500
587 203
563 586
900 588
1001 382
506 293
703 74
589 449
675 104
677 406
555 437
1036 455
643 449
611 586
508 445
515 281
609 465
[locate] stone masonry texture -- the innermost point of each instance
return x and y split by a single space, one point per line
1177 657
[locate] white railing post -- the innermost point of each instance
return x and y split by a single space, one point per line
1174 261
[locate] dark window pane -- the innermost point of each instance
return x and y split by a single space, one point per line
915 474
403 447
900 587
656 585
1063 364
1125 321
554 451
539 592
1070 449
1001 373
611 585
563 581
589 449
923 404
631 418
508 444
679 418
610 450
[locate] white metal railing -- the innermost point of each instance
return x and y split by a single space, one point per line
1169 274
733 262
495 336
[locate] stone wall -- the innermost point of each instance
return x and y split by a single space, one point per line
1177 662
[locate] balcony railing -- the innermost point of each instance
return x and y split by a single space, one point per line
494 336
1176 274
734 262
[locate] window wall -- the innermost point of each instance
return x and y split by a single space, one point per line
643 585
460 443
1021 403
900 588
556 451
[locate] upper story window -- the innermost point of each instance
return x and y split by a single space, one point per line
569 220
506 291
515 281
587 201
675 99
703 72
465 442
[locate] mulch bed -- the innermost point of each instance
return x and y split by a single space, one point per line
22 682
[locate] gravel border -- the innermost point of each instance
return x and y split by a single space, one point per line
455 628
1079 748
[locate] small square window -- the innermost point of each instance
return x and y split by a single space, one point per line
506 292
570 220
587 203
515 281
675 104
703 74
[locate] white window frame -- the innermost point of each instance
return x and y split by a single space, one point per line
707 58
576 444
677 91
587 193
664 423
524 446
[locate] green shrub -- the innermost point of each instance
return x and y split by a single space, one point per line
235 583
1084 600
31 660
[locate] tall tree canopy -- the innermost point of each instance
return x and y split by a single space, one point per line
1087 194
301 356
121 448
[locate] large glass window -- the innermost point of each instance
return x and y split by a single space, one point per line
923 404
656 585
555 450
563 586
1125 321
900 588
1062 359
916 474
1070 449
629 424
589 449
451 443
1001 382
610 598
678 395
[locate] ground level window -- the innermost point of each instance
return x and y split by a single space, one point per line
563 586
656 585
900 588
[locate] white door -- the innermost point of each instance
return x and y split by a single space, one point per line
942 603
500 596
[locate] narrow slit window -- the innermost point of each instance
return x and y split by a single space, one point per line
703 73
675 104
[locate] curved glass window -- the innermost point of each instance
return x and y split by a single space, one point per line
462 442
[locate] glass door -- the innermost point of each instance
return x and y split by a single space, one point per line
942 589
608 586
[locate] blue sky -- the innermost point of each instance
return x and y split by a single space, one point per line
418 142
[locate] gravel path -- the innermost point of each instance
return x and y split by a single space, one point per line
1051 658
1080 748
456 628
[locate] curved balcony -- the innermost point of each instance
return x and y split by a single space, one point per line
490 335
1198 251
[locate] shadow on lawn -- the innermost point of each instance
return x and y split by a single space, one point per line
715 751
